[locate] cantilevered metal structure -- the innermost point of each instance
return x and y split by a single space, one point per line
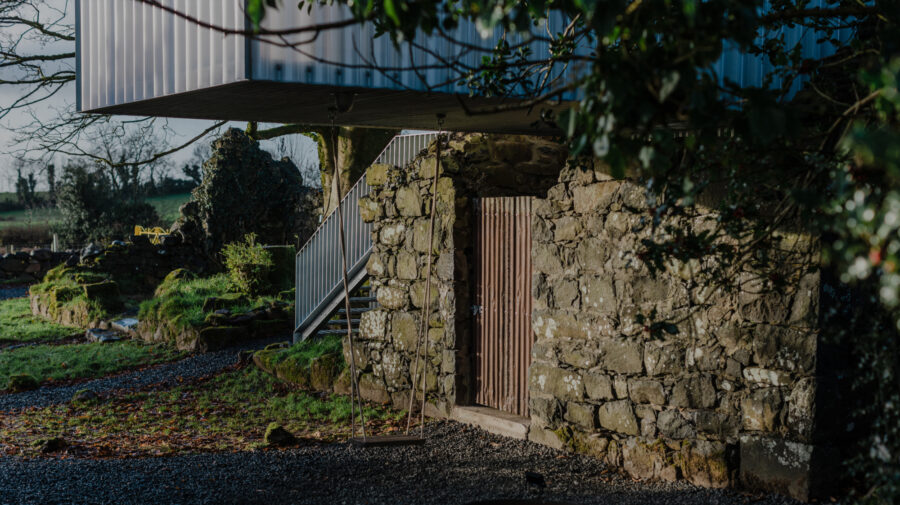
138 59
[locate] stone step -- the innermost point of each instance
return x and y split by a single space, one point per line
126 325
492 420
362 299
100 335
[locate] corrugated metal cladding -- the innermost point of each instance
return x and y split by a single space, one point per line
354 57
129 51
503 334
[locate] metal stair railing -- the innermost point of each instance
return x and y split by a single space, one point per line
319 283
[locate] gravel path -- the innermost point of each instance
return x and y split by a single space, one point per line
458 465
166 375
16 292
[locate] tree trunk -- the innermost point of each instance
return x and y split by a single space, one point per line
356 150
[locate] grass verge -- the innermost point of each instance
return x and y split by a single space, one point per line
18 325
53 363
226 413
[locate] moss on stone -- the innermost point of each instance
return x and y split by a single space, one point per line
21 382
293 371
566 436
265 360
312 363
105 293
277 436
75 296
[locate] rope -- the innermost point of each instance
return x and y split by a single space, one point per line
354 387
426 305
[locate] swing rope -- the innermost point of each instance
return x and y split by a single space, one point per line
336 187
426 305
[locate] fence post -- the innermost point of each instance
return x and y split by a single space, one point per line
55 246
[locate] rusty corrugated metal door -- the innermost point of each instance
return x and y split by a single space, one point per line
503 336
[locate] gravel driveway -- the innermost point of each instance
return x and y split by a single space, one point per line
457 465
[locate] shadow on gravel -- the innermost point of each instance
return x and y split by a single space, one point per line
516 502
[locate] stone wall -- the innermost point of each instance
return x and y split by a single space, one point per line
29 266
727 395
472 166
730 396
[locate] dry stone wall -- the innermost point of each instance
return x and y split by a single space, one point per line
730 396
472 166
29 266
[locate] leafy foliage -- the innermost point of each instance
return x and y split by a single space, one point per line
92 211
249 266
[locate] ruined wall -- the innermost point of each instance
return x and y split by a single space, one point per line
730 396
29 266
474 165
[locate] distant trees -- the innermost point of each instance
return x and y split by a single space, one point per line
26 183
92 210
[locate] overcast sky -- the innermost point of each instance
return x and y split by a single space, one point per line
302 149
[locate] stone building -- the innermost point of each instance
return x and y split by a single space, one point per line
729 398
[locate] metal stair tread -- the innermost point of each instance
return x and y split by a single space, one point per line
354 310
341 321
322 333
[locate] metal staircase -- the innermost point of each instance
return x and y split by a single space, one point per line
320 290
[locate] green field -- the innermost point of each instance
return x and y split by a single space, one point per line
166 206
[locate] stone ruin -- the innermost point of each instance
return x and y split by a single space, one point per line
244 190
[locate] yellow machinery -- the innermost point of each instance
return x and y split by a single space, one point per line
156 233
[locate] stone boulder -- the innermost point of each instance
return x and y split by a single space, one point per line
277 436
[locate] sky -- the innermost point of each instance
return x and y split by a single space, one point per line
299 148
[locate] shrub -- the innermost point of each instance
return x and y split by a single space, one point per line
249 266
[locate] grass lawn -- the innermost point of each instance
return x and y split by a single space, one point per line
228 412
166 206
48 363
26 218
18 325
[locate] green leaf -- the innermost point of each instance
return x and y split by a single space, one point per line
256 11
391 11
